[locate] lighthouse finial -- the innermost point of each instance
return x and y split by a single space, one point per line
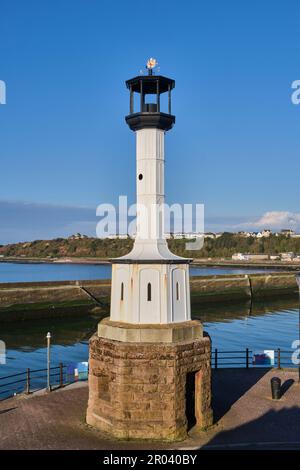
151 64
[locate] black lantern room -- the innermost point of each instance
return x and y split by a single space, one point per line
150 114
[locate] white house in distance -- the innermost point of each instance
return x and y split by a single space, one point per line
288 232
249 257
266 233
193 235
287 256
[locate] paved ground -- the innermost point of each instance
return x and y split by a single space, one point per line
245 417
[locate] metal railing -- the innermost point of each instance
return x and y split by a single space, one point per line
243 359
33 380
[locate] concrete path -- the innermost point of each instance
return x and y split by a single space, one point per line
245 417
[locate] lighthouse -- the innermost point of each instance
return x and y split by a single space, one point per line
150 284
149 362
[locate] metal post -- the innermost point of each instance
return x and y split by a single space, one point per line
48 362
169 98
247 358
142 95
298 282
28 381
278 359
276 388
61 376
131 101
157 96
216 358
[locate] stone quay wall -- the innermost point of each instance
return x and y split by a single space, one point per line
29 300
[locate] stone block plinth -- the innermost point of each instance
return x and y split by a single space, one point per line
149 333
150 390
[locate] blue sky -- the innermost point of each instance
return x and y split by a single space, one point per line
64 145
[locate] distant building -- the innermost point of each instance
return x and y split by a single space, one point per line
191 235
77 236
210 235
122 236
239 257
266 233
252 234
245 234
188 235
249 257
258 257
288 232
287 256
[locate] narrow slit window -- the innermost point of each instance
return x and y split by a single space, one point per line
122 290
177 291
149 292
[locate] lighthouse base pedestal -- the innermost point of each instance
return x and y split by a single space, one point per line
150 390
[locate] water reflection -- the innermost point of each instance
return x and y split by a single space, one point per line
261 325
241 310
30 335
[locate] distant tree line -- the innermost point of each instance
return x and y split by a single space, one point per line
222 247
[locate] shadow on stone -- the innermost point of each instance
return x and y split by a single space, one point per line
228 385
273 430
190 400
8 410
286 385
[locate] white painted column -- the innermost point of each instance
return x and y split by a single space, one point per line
150 184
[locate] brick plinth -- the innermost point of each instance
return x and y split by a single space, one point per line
140 390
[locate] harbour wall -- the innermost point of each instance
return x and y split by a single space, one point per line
29 300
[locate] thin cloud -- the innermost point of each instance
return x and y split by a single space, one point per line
274 220
21 221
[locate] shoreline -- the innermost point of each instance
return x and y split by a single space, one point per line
90 261
293 266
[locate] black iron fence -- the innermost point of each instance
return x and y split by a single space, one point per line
32 380
245 359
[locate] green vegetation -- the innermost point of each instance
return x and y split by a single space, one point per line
75 248
229 243
222 247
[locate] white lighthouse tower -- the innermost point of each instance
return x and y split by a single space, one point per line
149 363
150 284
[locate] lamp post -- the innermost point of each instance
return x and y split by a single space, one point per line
298 282
48 361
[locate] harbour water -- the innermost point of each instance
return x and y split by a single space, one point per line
27 272
233 327
268 325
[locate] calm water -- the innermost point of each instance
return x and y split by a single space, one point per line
231 327
262 326
23 272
